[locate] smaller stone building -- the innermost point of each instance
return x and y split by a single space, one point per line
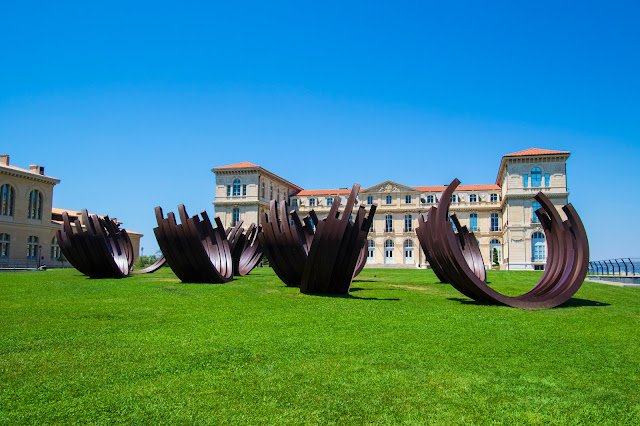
28 220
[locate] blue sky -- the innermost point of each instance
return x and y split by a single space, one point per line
131 104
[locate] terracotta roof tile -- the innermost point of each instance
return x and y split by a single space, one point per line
324 191
243 165
535 151
490 187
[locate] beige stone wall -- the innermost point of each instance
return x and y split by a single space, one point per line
19 226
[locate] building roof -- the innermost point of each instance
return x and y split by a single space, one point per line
490 187
243 165
324 191
29 173
531 152
535 151
247 165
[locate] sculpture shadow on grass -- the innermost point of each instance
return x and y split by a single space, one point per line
574 302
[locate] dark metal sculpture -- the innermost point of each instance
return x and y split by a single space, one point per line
195 251
286 241
100 249
153 267
324 260
246 250
452 257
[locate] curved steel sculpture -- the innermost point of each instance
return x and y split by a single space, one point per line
100 249
153 267
286 241
320 260
246 250
336 248
452 257
195 251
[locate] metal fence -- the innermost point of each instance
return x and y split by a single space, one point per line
628 267
23 263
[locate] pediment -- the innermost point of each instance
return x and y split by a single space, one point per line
387 187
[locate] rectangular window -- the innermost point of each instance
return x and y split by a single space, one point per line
244 189
236 217
294 202
408 223
473 222
388 199
312 202
407 199
494 198
369 200
371 227
388 223
535 206
546 179
430 199
473 198
525 181
228 190
329 201
494 222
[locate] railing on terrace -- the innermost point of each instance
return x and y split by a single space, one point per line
23 263
622 267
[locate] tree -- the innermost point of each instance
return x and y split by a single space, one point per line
494 257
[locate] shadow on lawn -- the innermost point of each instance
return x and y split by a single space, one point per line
349 296
571 303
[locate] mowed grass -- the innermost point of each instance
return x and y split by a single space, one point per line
402 348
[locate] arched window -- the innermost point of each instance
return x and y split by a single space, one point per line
32 247
495 251
236 187
408 252
535 206
388 251
4 245
538 247
55 249
371 251
536 177
7 200
35 205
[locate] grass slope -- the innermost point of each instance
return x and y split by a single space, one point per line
401 348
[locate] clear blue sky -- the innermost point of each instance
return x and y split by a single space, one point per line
131 104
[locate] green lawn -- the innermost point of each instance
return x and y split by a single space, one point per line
401 348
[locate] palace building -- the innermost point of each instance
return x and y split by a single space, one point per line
500 214
28 220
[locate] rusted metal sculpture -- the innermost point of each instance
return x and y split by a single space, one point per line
567 264
99 249
286 241
324 260
246 250
153 267
195 251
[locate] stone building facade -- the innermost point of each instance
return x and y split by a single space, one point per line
28 220
500 214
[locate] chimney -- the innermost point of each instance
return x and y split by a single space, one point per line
36 169
4 160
